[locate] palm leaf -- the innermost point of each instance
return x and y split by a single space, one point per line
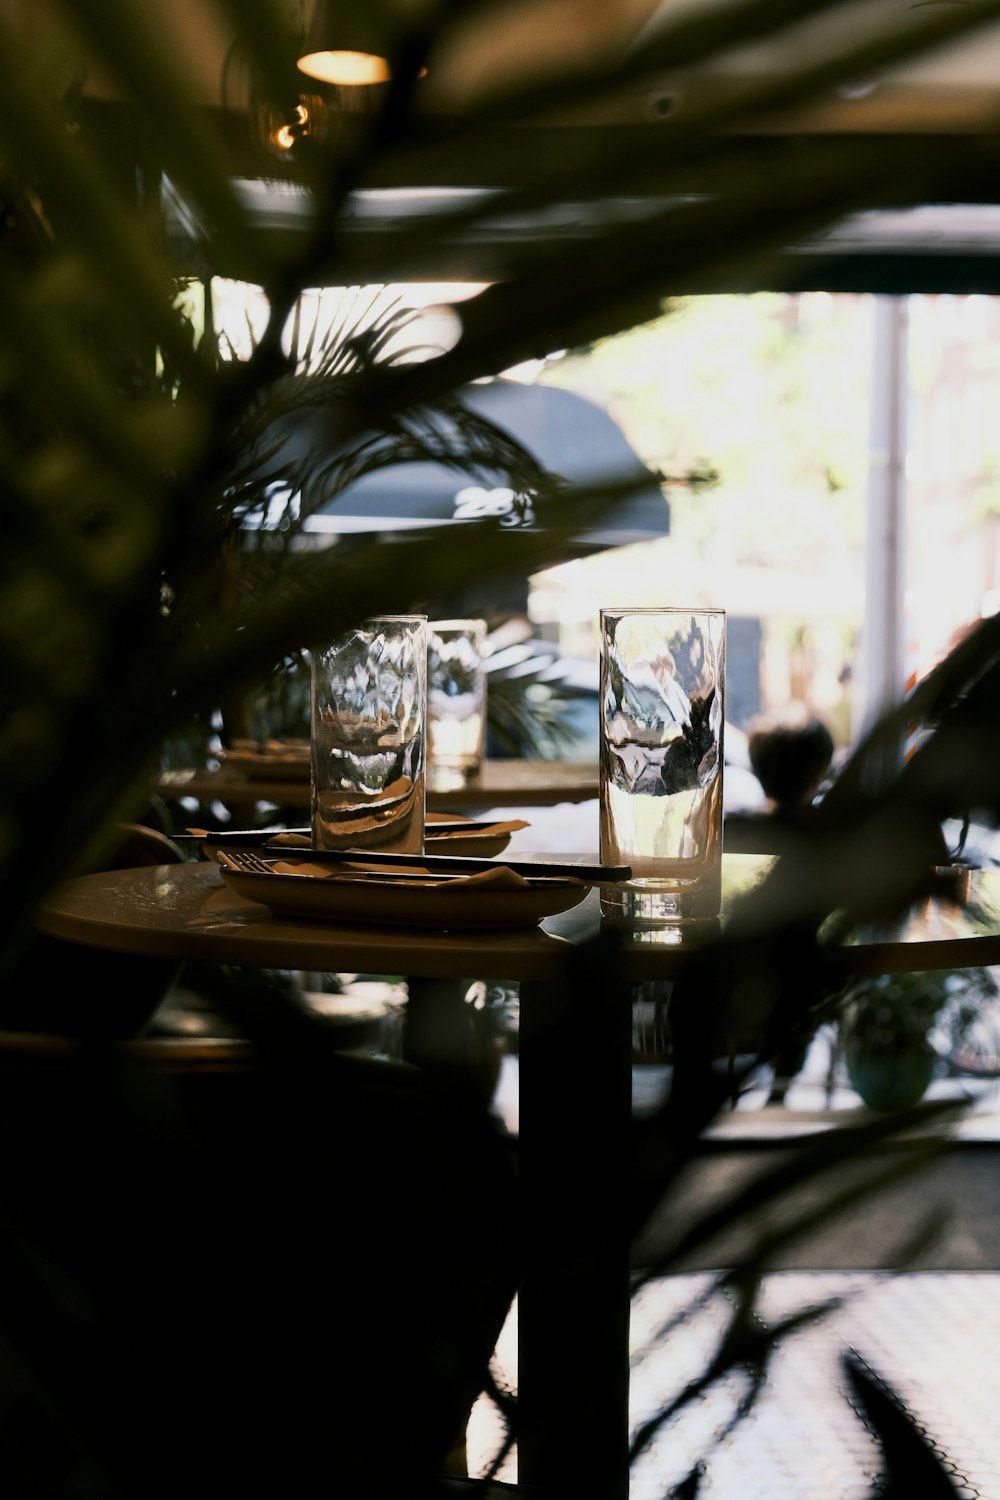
125 610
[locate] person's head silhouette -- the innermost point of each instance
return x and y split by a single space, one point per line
790 760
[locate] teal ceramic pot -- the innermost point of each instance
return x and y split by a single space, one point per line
892 1077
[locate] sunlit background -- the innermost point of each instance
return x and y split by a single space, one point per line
777 394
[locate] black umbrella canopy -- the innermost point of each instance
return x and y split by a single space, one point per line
566 433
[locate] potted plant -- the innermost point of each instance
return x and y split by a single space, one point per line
886 1026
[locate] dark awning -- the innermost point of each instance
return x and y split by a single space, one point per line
568 434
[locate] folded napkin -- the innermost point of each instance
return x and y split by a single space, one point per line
500 878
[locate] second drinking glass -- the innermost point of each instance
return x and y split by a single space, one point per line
456 700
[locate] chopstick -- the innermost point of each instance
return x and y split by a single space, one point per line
463 825
248 836
251 836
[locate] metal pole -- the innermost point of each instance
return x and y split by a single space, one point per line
882 656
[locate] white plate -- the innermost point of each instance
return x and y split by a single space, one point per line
483 901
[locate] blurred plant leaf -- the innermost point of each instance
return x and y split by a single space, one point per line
127 611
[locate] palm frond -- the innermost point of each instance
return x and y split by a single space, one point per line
128 610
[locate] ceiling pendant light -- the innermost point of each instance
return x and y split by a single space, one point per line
342 45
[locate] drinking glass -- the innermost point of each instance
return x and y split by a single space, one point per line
456 700
369 696
661 756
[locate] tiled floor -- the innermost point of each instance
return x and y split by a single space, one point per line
932 1336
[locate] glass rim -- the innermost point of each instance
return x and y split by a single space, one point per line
662 609
341 637
390 619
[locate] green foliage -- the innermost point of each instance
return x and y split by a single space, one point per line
127 612
713 375
892 1011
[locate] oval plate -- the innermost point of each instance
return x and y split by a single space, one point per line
381 901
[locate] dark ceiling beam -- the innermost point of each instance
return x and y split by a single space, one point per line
918 169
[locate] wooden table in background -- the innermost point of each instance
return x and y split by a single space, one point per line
500 783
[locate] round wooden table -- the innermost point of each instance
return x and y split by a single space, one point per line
187 912
564 1324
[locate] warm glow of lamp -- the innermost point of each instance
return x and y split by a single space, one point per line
345 67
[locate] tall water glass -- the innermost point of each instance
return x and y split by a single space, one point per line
663 675
369 697
456 700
